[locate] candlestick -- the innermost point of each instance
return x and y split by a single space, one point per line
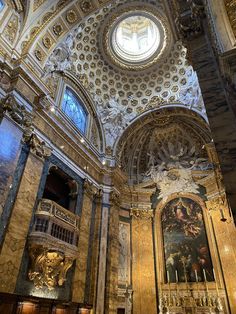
168 276
176 276
214 277
204 275
196 277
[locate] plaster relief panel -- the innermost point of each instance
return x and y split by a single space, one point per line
124 254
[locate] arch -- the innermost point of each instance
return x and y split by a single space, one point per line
138 134
68 79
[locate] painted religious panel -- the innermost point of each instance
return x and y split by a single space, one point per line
187 256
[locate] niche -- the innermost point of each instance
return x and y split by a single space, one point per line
61 188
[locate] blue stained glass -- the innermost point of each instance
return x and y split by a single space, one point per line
1 5
74 110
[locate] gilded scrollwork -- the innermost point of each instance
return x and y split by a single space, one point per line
48 268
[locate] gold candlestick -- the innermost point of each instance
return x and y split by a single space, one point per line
214 277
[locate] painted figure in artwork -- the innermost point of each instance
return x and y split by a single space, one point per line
185 242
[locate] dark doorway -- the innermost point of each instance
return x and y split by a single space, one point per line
120 311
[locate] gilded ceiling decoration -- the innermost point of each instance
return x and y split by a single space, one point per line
119 96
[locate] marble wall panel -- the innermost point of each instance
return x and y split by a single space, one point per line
16 235
112 262
102 261
10 146
78 291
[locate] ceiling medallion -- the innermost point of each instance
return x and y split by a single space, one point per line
135 37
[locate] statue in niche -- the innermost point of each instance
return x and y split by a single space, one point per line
185 242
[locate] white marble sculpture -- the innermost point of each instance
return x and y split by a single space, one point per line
114 117
171 169
61 57
190 94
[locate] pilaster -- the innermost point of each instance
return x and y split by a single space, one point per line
143 271
78 289
113 255
16 234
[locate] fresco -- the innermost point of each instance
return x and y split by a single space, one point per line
187 256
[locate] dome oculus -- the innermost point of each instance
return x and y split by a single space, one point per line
135 38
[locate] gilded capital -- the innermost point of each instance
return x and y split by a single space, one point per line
114 198
141 213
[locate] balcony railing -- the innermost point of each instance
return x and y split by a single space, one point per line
55 221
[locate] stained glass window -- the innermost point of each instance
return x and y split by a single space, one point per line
1 5
73 108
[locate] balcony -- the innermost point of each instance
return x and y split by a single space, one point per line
52 244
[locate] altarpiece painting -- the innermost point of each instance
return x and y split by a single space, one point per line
187 256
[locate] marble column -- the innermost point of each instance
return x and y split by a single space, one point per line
21 215
78 288
102 263
94 242
112 256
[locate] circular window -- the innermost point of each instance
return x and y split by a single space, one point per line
135 38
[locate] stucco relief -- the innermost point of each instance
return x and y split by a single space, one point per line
124 253
171 168
114 117
190 95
